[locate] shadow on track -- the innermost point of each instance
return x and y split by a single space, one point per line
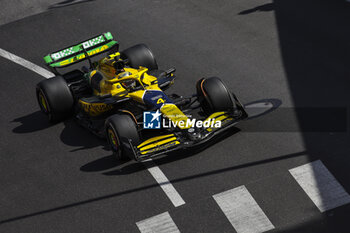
261 107
262 8
101 198
77 136
102 164
317 225
314 42
33 122
73 134
68 3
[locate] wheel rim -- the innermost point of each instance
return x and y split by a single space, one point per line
113 139
43 103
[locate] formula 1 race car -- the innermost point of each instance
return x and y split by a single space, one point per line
120 96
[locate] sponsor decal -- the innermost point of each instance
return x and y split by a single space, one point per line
162 147
93 42
63 53
95 108
74 49
190 123
160 101
82 56
155 98
151 120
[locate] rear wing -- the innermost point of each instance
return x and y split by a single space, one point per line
77 53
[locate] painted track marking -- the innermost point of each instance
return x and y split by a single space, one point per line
244 214
320 185
162 223
27 64
164 183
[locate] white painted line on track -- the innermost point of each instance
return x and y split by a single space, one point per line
162 223
27 64
242 211
320 185
164 183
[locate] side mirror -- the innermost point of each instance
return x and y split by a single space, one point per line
170 71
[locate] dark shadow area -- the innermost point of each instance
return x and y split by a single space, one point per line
296 119
32 122
329 222
102 164
263 8
314 38
209 173
68 3
75 135
268 116
72 134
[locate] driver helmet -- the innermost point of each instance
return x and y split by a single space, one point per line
129 84
124 74
118 66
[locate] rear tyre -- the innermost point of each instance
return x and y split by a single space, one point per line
114 49
55 98
213 95
120 128
73 75
140 55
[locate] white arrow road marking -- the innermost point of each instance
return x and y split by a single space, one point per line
27 64
320 185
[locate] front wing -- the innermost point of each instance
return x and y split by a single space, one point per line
160 145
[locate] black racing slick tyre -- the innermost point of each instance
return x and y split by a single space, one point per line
213 95
55 98
140 55
119 129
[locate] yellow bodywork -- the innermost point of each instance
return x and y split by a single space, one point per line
95 109
112 84
218 116
174 114
158 143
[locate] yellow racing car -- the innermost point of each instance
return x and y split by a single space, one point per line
121 97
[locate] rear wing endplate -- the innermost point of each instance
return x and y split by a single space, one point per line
77 53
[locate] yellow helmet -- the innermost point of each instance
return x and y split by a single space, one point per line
110 67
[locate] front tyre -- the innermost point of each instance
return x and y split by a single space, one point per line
120 128
213 95
55 98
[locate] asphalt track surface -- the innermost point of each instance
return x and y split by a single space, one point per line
61 178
